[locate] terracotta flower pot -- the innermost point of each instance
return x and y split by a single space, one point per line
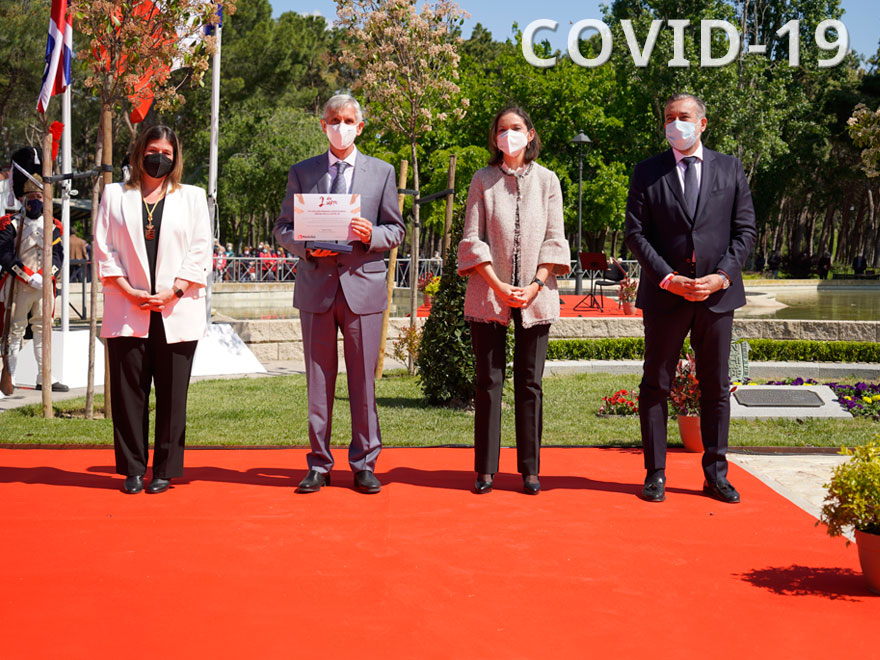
689 428
629 308
427 300
869 556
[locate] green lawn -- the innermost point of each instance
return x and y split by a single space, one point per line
272 411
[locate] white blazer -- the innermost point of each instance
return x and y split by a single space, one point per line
184 252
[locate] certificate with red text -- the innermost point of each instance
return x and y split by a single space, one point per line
318 217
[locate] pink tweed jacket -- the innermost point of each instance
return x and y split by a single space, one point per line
494 200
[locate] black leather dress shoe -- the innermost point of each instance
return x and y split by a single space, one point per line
531 487
133 485
655 488
722 490
158 485
482 487
365 482
313 482
56 387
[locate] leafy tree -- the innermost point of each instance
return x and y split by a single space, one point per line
864 127
407 65
256 152
22 46
129 40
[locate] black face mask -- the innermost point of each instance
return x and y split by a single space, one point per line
34 208
157 165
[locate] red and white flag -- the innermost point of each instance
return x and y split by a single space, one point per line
59 50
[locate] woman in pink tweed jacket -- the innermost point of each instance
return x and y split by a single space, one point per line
512 248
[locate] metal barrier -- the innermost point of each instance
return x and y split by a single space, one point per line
283 269
254 269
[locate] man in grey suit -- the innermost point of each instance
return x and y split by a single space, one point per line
340 290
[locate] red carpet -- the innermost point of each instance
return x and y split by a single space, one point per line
572 307
232 564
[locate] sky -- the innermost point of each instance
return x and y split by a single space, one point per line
862 17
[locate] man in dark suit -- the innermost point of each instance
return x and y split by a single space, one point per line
691 225
343 290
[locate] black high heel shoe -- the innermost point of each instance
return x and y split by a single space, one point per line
531 487
482 487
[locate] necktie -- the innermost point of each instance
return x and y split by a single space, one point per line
339 187
691 187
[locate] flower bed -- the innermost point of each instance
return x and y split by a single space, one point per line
861 399
622 402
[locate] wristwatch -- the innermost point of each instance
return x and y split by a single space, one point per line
725 282
178 293
538 281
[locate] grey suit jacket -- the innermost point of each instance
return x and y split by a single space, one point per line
663 236
361 273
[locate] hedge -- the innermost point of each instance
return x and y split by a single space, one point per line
803 350
762 350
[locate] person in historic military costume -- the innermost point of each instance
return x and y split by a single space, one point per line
21 260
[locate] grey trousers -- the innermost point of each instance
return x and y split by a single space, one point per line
360 340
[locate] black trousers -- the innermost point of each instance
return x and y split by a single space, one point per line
710 339
135 363
529 353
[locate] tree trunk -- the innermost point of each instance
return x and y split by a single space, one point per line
855 245
868 234
811 229
389 277
846 213
93 286
107 158
450 199
414 253
876 261
48 287
827 226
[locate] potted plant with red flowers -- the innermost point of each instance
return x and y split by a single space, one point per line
853 502
684 402
429 284
627 295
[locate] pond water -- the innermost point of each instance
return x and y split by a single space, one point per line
813 305
803 304
399 308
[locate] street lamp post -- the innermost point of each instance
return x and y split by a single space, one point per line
580 140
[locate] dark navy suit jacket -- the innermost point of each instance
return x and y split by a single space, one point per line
664 237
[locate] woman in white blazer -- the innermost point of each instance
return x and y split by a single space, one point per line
153 250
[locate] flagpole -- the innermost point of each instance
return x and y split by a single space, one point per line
66 167
212 158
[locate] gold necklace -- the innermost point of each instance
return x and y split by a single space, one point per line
150 230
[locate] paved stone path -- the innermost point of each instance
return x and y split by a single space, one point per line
798 477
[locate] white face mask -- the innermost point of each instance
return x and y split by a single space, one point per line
512 142
681 135
341 135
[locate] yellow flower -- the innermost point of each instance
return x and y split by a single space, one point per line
876 397
848 398
736 383
866 399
